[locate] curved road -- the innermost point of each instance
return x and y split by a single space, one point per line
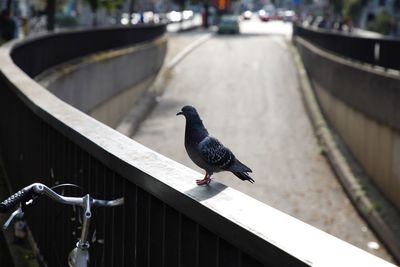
246 90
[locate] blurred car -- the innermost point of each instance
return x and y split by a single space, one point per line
178 16
174 16
279 14
133 18
267 12
247 15
228 24
187 14
289 15
264 15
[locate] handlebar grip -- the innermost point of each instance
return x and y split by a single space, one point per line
22 195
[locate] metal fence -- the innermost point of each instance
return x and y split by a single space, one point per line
144 232
376 51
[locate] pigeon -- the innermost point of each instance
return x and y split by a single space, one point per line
207 152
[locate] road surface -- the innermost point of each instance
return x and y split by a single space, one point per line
246 90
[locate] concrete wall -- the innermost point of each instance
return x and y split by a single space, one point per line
106 85
362 103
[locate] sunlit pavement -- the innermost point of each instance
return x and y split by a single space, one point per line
246 89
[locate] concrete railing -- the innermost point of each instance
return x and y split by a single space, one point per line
362 103
167 220
376 50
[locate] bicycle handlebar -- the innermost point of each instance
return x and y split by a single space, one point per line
21 196
32 190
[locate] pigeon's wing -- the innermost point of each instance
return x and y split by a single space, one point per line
215 154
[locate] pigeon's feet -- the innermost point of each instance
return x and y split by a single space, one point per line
206 180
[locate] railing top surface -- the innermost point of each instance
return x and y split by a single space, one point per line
56 48
173 183
347 61
377 51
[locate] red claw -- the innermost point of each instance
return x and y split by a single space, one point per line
206 180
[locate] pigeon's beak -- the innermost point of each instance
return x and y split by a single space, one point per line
179 113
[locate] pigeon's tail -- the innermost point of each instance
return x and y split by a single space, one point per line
239 167
244 176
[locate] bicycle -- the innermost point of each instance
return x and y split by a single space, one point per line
79 256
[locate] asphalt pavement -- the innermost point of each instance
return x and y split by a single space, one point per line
245 87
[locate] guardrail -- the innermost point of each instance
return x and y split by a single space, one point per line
361 102
375 51
167 220
107 84
71 45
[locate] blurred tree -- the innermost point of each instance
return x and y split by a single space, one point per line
396 5
205 14
382 22
94 5
351 8
8 5
51 14
337 6
181 4
396 28
109 5
131 10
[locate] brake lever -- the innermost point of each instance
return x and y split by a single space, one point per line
18 213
